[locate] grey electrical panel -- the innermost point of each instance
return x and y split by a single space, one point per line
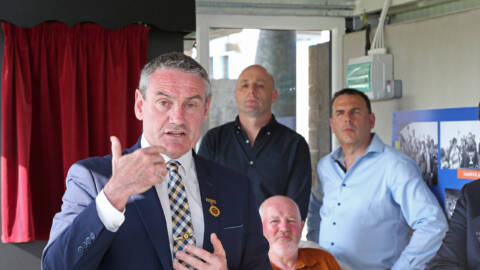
373 75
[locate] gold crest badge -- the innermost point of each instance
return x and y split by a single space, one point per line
214 210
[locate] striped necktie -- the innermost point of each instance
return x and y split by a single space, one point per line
182 228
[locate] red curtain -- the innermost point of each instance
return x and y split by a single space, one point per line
65 90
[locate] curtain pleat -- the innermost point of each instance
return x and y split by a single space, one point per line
65 90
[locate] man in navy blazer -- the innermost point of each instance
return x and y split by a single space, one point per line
461 246
116 212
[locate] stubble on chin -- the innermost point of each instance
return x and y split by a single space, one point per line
284 248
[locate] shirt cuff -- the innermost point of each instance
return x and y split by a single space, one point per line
111 218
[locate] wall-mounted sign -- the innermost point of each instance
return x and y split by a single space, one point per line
445 144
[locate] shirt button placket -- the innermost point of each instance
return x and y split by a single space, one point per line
333 220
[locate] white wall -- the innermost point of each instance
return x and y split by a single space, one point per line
437 59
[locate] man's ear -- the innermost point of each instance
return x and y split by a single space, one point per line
207 109
330 121
274 96
139 104
372 120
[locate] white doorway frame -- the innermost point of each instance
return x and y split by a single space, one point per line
298 23
304 23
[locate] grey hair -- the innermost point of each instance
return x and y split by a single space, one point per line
173 60
261 209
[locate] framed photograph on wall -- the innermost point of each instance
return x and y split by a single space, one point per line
445 144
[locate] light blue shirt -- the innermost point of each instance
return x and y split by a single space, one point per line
364 216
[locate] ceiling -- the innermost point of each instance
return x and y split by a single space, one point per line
333 8
338 8
351 10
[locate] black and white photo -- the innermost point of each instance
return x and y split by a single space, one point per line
460 145
419 141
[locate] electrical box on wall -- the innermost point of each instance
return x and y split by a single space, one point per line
373 75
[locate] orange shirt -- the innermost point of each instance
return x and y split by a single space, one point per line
314 259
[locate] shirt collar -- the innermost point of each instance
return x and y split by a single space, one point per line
303 261
270 126
376 145
185 161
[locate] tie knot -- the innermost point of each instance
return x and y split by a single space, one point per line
172 166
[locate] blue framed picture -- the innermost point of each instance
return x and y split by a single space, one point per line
445 144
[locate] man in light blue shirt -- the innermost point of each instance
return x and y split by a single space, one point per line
370 196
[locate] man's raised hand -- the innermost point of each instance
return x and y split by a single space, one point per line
133 173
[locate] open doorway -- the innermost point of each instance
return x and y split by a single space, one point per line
285 53
208 26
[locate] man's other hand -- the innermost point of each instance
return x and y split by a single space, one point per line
202 259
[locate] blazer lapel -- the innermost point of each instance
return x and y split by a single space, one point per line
136 146
146 204
151 213
210 204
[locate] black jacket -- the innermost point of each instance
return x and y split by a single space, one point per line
461 245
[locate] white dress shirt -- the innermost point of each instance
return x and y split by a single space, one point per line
112 219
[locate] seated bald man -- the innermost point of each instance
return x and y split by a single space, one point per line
282 226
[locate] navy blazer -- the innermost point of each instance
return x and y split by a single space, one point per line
79 240
461 246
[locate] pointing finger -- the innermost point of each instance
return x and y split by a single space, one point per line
116 150
217 245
